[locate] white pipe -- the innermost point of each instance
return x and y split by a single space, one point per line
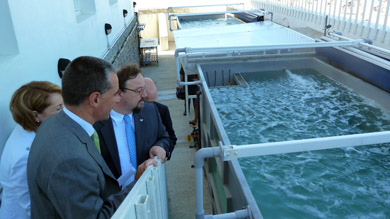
185 83
179 82
199 163
270 47
312 144
244 213
365 55
362 43
217 12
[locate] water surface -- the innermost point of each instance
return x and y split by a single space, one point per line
209 23
350 182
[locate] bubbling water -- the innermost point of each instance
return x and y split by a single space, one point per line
209 23
282 105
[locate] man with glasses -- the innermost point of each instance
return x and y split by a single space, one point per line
131 135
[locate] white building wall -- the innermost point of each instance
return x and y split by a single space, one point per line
45 31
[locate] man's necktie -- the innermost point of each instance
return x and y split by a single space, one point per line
130 135
95 139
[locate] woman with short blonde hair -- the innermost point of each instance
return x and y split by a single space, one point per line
30 105
31 100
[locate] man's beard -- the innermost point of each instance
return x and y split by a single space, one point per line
139 107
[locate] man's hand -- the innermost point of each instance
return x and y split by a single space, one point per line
159 152
142 167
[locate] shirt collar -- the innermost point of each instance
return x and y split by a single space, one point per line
84 124
118 118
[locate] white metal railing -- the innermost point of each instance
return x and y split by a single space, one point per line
354 18
148 198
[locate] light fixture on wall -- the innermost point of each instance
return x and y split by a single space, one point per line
107 28
124 16
61 66
135 10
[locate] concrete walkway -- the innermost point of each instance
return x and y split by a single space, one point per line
180 174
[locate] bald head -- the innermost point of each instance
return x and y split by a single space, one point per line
151 90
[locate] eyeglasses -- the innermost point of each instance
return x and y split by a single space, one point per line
138 91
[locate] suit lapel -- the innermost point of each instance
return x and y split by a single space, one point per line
86 140
108 135
92 150
139 134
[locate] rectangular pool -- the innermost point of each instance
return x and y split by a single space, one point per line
207 21
301 99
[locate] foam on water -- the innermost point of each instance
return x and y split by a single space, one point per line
209 23
300 104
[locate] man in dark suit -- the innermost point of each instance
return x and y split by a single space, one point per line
67 176
151 139
151 91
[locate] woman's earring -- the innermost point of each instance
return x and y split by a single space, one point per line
37 120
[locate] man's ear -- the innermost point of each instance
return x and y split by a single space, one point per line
94 98
36 116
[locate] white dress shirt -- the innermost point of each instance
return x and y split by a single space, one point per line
13 177
128 171
84 124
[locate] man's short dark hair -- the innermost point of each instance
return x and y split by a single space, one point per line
83 76
126 73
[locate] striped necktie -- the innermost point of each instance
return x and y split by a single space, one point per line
130 135
95 139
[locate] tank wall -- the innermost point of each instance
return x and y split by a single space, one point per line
368 71
230 190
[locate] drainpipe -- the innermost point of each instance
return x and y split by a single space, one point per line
244 213
199 163
199 119
199 158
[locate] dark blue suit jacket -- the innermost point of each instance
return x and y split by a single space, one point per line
167 121
149 131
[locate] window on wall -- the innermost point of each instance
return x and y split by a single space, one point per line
8 43
84 9
113 1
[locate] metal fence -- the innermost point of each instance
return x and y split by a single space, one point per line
354 18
